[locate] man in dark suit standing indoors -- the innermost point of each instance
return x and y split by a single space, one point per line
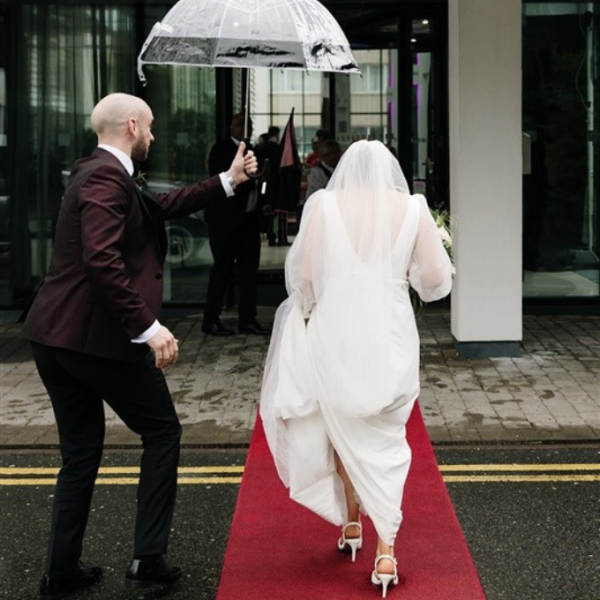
95 336
234 237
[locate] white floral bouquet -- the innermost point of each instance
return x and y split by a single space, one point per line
442 221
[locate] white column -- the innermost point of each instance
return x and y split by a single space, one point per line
486 174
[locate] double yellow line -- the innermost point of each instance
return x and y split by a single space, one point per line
519 473
122 475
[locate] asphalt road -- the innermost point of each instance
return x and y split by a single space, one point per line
536 536
531 517
197 544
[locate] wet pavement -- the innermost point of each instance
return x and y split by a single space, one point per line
549 393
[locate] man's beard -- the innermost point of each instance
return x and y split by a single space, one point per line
139 152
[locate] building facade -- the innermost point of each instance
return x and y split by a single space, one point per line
491 107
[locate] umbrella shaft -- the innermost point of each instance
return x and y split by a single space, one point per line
246 108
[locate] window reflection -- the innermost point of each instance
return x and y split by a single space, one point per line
274 95
183 100
4 223
421 26
560 122
63 60
3 141
371 97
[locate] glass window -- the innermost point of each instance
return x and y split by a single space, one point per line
5 292
371 98
371 80
183 100
421 109
290 81
184 104
561 124
275 93
63 60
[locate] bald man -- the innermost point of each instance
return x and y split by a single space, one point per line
96 336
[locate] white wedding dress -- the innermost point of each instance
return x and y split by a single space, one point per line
342 372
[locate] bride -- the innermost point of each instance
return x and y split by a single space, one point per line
342 372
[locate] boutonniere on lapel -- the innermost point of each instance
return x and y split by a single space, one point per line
140 180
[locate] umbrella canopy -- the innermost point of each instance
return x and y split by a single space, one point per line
282 34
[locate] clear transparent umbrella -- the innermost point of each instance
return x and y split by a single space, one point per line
283 34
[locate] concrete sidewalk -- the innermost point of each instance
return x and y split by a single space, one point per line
551 392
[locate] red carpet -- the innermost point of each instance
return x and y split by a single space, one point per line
279 550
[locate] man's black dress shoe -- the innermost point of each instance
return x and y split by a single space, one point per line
254 328
216 328
146 572
53 587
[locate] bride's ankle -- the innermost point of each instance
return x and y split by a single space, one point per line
354 513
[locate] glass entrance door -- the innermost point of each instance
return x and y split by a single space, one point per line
561 95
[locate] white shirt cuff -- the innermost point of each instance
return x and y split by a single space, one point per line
226 186
149 333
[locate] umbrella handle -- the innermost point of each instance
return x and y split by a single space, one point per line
262 173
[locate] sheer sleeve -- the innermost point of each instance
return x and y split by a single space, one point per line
300 264
430 271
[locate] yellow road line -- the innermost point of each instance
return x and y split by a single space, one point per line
127 481
10 471
237 480
211 469
514 473
543 467
518 478
115 470
208 480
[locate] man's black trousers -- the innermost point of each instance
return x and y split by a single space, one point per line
138 393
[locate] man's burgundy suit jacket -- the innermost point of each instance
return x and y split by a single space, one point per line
104 285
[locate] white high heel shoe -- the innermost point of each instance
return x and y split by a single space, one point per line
353 543
384 579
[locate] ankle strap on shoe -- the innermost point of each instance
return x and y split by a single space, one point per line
382 556
352 524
